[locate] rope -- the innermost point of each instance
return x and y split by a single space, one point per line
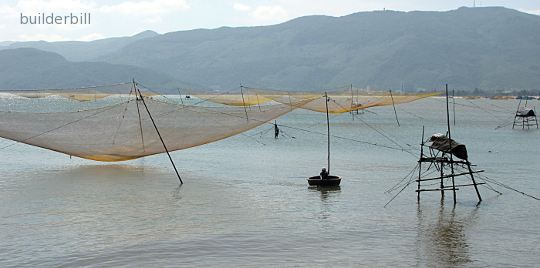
391 189
507 187
400 191
345 138
380 132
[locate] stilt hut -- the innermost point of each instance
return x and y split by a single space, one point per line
449 160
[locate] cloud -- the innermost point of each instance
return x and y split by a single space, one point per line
153 20
130 7
7 10
263 13
146 7
267 13
46 37
35 6
532 11
138 14
241 7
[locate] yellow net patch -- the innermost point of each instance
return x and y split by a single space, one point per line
343 101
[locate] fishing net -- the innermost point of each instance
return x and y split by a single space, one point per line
118 127
339 101
114 122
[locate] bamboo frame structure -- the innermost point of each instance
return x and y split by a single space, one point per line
525 117
441 158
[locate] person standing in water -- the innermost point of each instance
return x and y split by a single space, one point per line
276 130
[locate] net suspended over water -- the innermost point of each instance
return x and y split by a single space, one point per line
339 101
124 121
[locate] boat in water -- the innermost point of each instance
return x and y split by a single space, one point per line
325 179
329 181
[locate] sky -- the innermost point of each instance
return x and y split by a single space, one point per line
111 18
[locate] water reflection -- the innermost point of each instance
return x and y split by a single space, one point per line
442 240
177 194
326 192
115 172
328 197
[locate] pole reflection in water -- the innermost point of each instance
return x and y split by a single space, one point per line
327 195
442 240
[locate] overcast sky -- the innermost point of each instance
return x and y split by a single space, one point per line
111 18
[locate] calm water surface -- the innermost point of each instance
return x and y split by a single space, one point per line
245 201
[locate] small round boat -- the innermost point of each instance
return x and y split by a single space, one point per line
328 182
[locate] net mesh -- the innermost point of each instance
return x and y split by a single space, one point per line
122 129
113 123
340 101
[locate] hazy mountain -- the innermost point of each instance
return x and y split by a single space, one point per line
6 43
27 68
489 48
84 51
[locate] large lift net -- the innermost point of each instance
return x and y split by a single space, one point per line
124 121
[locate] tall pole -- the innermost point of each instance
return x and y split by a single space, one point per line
159 134
357 101
327 128
180 95
474 181
454 105
394 105
450 146
517 111
420 165
258 102
243 101
352 102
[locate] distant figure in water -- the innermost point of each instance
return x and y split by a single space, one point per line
276 131
324 174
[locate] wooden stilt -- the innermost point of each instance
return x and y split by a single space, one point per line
474 181
450 144
258 102
159 134
420 164
243 101
442 178
180 96
394 105
517 111
140 124
454 105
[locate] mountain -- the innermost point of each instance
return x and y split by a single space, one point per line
27 68
83 51
488 48
6 43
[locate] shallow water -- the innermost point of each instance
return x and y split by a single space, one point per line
245 201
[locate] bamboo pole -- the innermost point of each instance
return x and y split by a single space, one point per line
420 165
328 129
450 147
243 101
159 134
394 105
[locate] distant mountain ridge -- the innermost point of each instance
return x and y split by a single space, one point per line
490 48
28 68
83 51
